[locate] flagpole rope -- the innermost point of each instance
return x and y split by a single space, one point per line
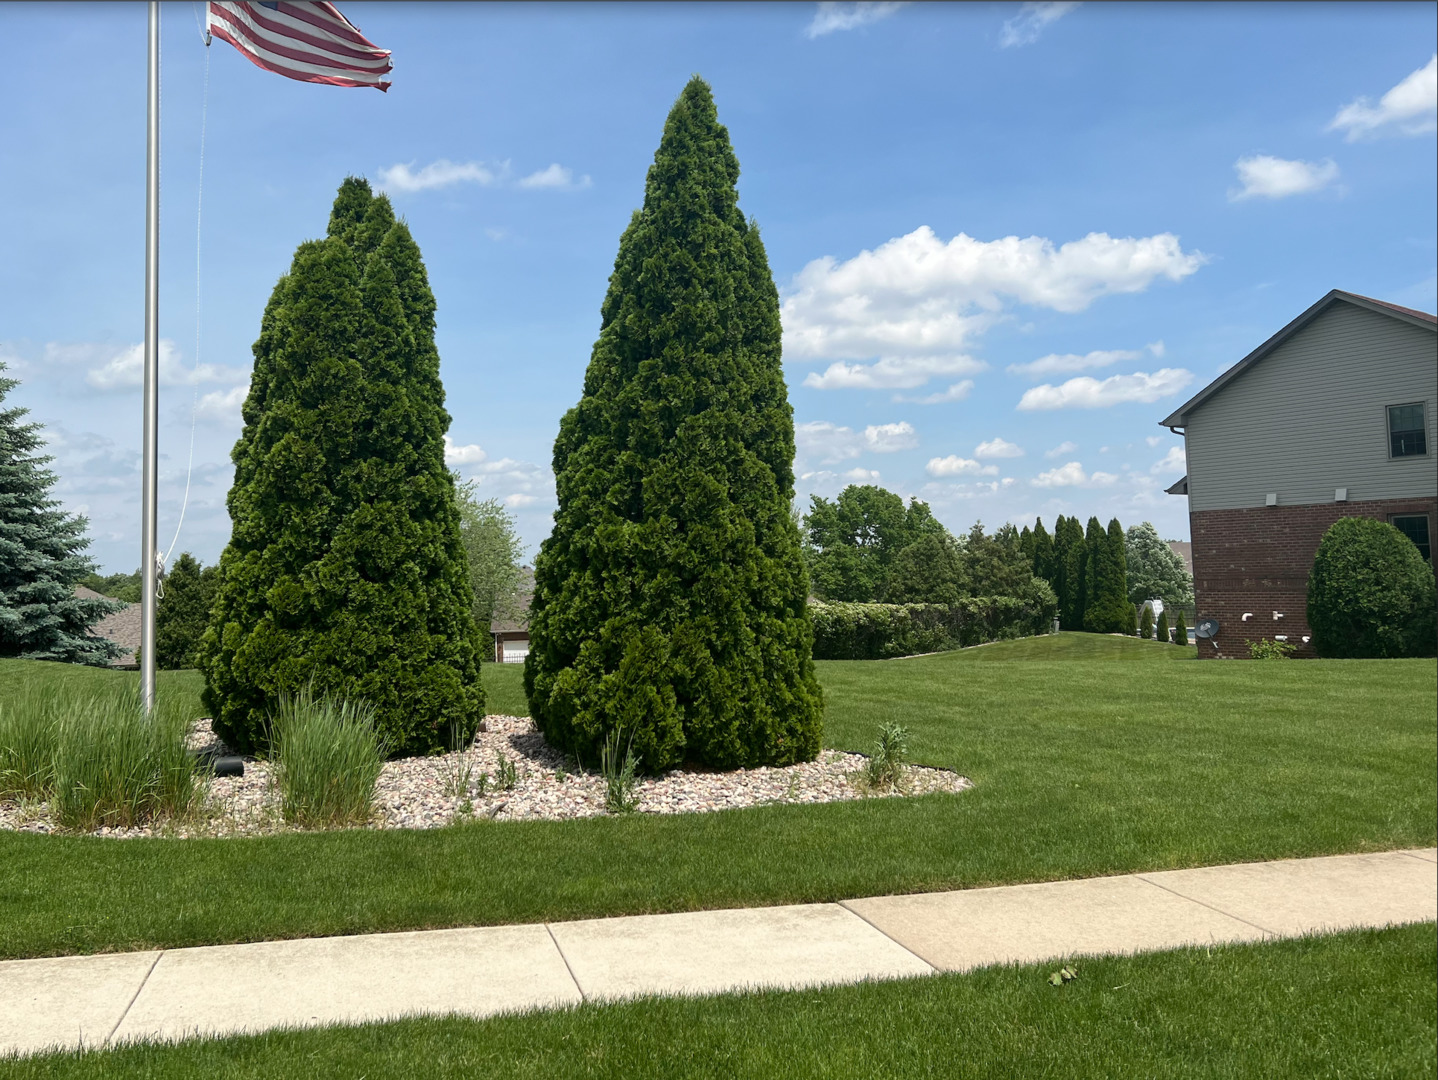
199 218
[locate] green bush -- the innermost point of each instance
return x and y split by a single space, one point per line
327 760
1267 649
1161 631
183 613
345 570
1370 593
884 631
1180 631
670 597
1145 624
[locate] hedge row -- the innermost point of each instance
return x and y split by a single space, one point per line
845 631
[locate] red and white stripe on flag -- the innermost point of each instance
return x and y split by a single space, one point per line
308 40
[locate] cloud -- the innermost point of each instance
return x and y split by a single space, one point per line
224 405
1066 363
439 174
916 302
956 392
1086 392
891 373
1031 21
831 443
1061 449
1072 475
1153 440
555 177
1173 461
519 500
831 17
1268 177
1410 108
998 448
953 465
122 367
862 476
471 454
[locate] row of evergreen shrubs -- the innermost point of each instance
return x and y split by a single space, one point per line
845 631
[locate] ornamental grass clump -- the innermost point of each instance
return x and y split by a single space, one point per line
618 773
328 756
27 743
114 764
886 766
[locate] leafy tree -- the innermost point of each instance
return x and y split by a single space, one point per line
931 570
670 599
852 542
1180 631
1162 630
125 587
1370 593
493 550
345 572
1106 608
1145 624
183 612
1155 570
42 555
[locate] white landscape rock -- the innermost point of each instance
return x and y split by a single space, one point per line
421 793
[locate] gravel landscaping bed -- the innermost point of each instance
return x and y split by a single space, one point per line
424 793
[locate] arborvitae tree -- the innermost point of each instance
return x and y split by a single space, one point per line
183 613
1162 631
670 600
1370 593
1108 610
345 571
1043 553
1070 557
41 556
1180 631
1026 543
1145 624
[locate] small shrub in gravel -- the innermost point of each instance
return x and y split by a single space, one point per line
619 797
328 757
885 770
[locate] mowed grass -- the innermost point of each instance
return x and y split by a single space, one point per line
1128 756
1358 1004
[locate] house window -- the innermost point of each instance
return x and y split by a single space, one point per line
1415 527
1407 433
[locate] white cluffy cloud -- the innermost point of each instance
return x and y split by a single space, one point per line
830 17
956 392
1068 363
1174 460
1086 392
445 173
831 443
1267 177
1031 21
1072 475
1410 108
122 367
471 454
1065 447
998 448
224 405
953 465
905 312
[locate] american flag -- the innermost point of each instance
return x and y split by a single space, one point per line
308 40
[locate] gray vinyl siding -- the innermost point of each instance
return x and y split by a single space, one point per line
1311 417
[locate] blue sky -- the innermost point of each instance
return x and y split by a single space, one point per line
1009 238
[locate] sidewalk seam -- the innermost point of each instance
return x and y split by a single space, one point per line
1200 903
1420 858
560 949
932 969
134 997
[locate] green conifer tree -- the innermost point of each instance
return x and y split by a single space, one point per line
670 600
1043 554
1161 633
1107 610
42 556
1180 631
183 613
345 570
1068 571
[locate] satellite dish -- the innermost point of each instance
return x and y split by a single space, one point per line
1206 628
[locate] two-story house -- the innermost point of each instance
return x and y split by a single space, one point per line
1333 416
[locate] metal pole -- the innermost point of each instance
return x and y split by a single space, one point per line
148 523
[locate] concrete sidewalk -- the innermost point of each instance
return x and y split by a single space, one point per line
107 999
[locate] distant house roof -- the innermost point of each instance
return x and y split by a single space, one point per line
1180 486
514 617
1184 550
123 627
1416 318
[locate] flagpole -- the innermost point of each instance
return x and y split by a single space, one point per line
148 523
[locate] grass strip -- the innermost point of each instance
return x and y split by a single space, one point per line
1354 1004
1126 757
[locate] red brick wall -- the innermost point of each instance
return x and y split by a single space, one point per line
1257 560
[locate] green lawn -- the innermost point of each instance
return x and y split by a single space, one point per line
1128 756
1359 1004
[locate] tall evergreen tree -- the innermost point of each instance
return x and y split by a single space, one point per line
1107 610
1043 553
670 600
42 556
1094 541
183 613
345 569
1075 559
